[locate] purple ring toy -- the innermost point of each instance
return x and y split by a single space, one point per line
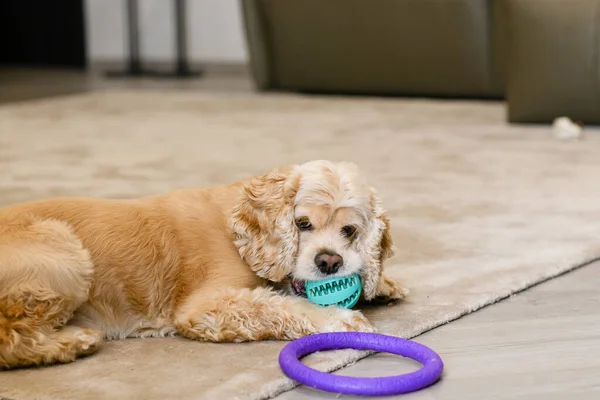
389 385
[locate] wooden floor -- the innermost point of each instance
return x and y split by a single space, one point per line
22 84
541 344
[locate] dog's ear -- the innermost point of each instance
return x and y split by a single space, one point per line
386 244
263 224
378 246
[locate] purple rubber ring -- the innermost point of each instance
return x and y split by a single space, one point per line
384 386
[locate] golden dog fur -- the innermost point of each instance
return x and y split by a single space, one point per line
210 264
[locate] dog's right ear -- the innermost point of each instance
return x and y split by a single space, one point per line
262 223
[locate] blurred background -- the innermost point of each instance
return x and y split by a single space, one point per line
54 48
541 57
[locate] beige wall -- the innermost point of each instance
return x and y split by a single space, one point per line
215 30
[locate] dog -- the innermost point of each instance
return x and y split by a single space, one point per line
219 264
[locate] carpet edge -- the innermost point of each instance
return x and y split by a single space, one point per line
285 384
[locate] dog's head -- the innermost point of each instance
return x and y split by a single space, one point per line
312 221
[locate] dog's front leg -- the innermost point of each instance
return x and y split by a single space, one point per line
235 315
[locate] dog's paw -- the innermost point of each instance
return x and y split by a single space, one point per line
82 341
90 340
389 291
338 319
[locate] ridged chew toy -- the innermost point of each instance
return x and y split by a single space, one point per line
343 291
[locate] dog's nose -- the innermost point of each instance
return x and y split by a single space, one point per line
328 263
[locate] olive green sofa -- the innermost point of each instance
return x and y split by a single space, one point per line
542 56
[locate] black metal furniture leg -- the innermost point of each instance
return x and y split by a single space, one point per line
135 64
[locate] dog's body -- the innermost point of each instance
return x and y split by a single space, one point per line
210 264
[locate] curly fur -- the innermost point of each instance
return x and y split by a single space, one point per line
263 223
210 264
378 247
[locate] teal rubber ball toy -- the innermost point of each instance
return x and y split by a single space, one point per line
343 291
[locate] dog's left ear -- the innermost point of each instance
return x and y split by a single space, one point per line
379 246
262 223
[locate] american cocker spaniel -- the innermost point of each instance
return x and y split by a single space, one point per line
221 264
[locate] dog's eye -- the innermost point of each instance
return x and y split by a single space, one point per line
304 224
348 231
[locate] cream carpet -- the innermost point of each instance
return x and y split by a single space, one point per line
480 210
